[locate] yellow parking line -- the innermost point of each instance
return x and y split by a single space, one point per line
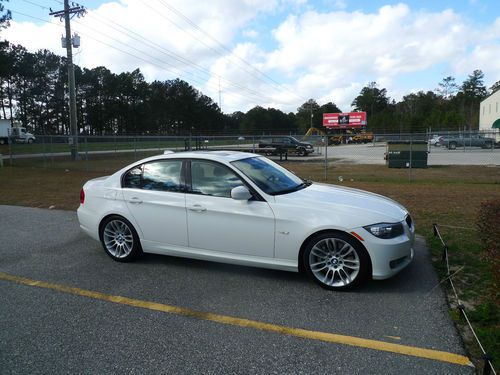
223 319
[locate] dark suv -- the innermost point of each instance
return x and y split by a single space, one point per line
280 144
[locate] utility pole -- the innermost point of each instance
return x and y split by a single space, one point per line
67 14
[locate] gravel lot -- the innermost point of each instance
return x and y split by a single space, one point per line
45 331
374 154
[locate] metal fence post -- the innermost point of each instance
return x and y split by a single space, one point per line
411 161
487 360
10 151
326 158
86 155
51 153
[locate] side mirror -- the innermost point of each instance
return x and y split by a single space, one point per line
240 193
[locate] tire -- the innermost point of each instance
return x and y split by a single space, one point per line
30 140
301 151
2 141
488 145
119 239
452 145
336 261
268 151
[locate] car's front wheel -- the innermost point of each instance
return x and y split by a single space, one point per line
336 261
119 239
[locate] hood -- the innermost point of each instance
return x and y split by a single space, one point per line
366 207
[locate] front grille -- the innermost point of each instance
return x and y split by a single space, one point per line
408 221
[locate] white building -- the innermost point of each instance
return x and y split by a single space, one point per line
489 114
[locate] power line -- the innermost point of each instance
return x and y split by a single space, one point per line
192 23
254 94
193 78
169 53
181 59
218 52
232 94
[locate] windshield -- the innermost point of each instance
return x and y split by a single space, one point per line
272 178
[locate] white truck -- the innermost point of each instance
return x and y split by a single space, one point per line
14 133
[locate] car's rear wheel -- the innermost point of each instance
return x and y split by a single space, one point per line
119 239
301 151
452 145
336 261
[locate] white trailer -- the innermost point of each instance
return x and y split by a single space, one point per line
14 134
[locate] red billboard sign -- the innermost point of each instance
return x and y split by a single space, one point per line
344 120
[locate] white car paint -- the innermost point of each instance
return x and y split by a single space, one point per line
266 233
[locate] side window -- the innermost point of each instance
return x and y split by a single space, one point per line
164 175
132 178
160 175
287 141
213 179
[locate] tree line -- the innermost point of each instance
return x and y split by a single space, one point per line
33 91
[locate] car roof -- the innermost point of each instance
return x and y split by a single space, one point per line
224 156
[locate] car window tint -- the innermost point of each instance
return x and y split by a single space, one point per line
213 179
267 175
132 178
162 175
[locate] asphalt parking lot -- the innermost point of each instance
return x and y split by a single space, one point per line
60 330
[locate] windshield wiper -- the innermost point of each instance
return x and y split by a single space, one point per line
300 186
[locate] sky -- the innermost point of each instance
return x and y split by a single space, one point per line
276 53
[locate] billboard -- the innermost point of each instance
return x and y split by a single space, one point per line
344 120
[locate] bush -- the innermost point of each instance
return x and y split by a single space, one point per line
489 233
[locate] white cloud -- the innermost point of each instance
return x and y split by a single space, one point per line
252 34
328 52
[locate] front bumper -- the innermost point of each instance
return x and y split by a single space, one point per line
389 256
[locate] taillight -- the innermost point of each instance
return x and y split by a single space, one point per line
82 196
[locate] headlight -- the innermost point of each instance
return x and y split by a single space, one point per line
309 146
385 230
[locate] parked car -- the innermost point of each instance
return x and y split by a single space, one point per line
286 143
475 140
436 140
242 208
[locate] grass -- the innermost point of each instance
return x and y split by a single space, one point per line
448 195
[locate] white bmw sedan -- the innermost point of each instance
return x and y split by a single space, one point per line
242 208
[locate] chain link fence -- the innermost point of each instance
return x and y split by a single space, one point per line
400 151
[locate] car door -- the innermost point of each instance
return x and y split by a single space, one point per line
155 196
216 222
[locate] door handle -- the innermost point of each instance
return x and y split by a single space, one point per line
135 200
197 208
